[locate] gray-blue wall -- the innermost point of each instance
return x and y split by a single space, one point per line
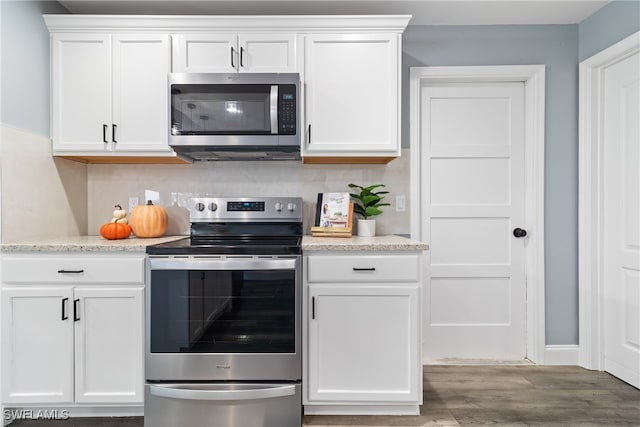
609 25
555 46
24 83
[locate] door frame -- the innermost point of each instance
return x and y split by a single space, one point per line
533 77
591 199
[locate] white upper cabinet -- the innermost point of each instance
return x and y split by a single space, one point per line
110 94
352 96
109 78
81 92
140 92
230 53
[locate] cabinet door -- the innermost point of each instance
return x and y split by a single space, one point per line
109 345
81 92
140 92
352 95
267 53
363 344
205 53
37 345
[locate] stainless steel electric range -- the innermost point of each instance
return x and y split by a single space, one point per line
223 317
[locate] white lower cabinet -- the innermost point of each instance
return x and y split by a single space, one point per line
362 334
72 342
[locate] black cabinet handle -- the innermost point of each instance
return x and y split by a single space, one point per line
241 56
64 308
76 310
519 232
113 134
313 307
70 271
104 134
309 134
364 269
232 51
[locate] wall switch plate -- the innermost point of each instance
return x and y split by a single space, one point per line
401 203
133 202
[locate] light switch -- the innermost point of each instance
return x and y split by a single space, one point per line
401 203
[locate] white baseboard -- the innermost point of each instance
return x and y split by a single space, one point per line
561 355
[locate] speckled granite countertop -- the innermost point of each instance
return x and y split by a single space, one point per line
133 244
85 244
357 243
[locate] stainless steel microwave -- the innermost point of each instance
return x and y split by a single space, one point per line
235 116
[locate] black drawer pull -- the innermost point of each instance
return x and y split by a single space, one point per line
70 271
364 269
104 133
76 310
64 306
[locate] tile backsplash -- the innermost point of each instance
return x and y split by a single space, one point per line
175 184
42 196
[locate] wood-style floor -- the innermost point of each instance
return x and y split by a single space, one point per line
483 395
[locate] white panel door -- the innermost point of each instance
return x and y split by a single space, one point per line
473 199
81 92
351 93
109 341
140 92
622 220
362 345
205 53
267 53
37 345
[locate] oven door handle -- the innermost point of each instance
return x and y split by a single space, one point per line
246 264
229 395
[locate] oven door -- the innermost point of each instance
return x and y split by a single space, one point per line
214 318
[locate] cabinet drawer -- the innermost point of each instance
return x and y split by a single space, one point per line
53 269
367 268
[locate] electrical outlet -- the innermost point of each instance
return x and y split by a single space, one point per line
401 203
133 202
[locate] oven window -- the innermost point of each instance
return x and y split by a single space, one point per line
200 109
223 311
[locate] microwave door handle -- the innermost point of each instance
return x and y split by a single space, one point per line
274 109
229 395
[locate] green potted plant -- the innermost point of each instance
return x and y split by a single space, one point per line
367 203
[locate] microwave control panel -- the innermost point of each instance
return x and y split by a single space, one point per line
287 115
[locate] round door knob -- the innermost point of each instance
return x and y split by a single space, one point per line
199 207
519 232
279 207
213 207
291 207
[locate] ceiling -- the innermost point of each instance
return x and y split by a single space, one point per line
425 12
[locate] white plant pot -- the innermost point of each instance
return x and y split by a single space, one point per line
366 227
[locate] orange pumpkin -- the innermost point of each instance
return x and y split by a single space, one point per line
115 230
149 220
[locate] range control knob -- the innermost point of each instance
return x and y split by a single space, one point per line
278 207
291 207
199 207
213 206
